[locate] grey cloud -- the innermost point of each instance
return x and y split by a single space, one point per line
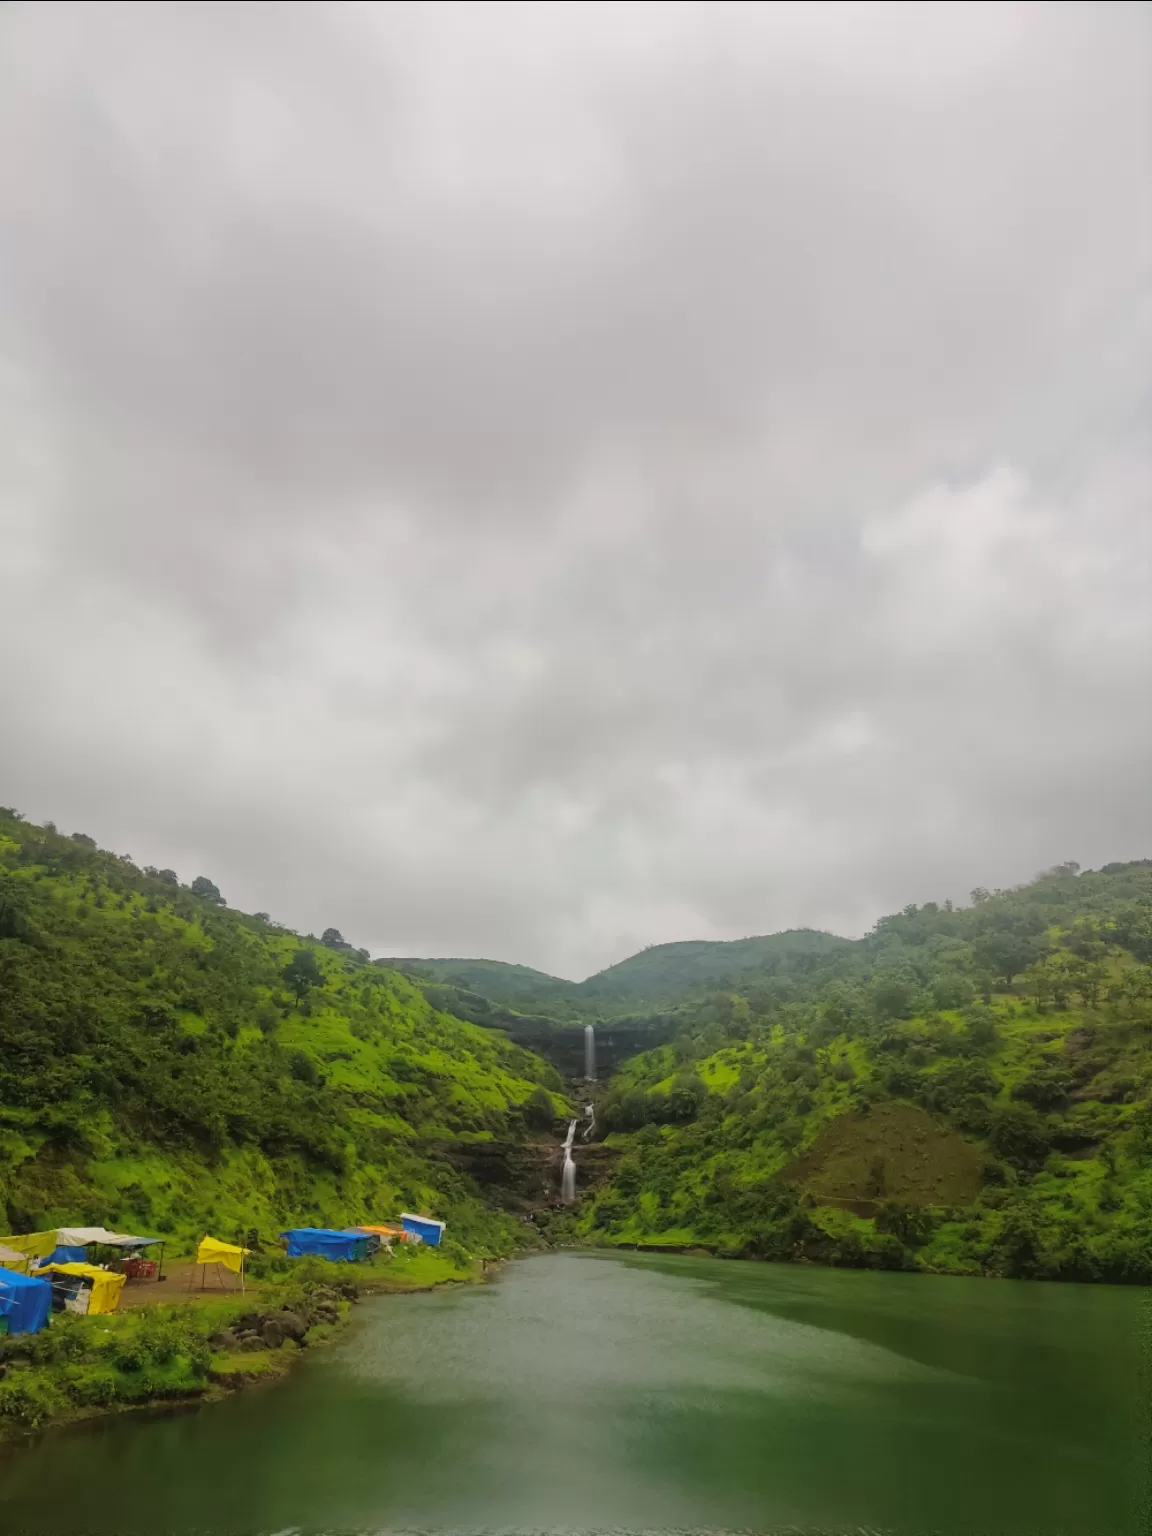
541 490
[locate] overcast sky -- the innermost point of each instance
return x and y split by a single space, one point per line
538 480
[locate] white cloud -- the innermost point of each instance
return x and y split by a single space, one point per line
537 489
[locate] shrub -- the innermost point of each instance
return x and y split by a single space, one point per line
1018 1135
28 1399
95 1388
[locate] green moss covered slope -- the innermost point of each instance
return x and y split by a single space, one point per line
163 1067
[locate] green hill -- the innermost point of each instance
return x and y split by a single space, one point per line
660 978
516 987
667 975
168 1064
966 1090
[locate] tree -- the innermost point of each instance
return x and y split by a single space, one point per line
332 938
84 839
13 911
303 1068
1006 952
911 1224
1045 1087
686 1096
302 973
169 876
207 891
893 997
1017 1134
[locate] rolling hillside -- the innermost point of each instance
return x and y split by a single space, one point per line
668 975
967 1090
169 1064
661 978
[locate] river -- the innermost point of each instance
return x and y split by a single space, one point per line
589 1393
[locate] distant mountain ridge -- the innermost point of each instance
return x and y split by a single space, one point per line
659 977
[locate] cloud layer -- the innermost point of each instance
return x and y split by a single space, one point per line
536 481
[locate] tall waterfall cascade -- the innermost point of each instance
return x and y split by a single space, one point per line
568 1177
590 1053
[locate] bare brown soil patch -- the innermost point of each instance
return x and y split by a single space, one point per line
894 1152
181 1284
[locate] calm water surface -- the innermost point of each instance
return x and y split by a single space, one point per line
587 1393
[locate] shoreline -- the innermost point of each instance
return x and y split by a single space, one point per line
43 1369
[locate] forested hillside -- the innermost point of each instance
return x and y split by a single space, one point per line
168 1064
964 1089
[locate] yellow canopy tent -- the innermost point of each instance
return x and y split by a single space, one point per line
226 1255
106 1286
10 1259
34 1245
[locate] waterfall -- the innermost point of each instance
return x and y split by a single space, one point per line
568 1179
590 1116
589 1053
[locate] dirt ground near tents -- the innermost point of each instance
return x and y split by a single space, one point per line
182 1284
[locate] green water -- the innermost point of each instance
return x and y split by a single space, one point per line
604 1394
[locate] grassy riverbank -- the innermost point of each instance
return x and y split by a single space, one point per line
200 1348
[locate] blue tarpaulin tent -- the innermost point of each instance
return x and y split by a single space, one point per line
24 1301
65 1254
344 1247
426 1228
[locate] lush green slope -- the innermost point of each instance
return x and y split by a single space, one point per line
967 1090
157 1070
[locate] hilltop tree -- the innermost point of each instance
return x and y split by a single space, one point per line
207 890
332 938
302 973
